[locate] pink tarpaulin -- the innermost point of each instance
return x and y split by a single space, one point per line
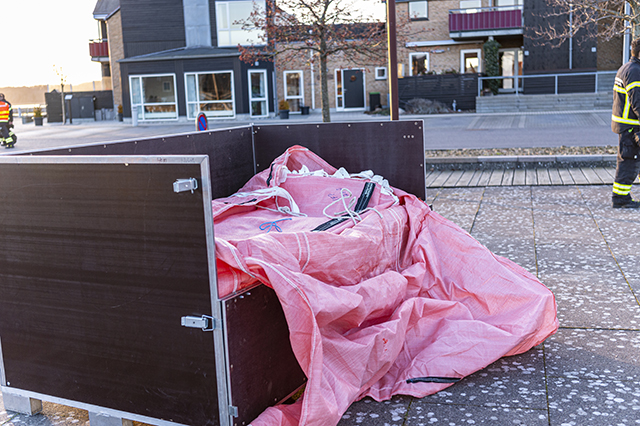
393 294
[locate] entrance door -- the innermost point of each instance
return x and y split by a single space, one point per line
353 81
511 66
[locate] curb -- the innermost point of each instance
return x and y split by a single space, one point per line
519 162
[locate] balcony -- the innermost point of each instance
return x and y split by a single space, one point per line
99 50
485 21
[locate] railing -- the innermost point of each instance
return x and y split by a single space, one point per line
485 18
518 81
99 48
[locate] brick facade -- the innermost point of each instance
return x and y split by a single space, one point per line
116 52
311 77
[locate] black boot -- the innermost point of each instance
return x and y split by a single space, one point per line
624 202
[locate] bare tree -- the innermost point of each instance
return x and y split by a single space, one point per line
584 19
315 30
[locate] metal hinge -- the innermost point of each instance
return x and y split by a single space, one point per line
183 185
233 411
205 322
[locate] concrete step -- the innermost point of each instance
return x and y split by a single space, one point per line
534 103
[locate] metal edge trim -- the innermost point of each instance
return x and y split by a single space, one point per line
222 366
115 142
89 407
223 304
424 157
253 147
105 159
3 376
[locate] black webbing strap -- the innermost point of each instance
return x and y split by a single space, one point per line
363 202
433 380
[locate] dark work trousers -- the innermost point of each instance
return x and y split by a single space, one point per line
628 164
6 135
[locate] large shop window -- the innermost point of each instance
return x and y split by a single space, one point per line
294 90
154 97
229 16
419 63
211 93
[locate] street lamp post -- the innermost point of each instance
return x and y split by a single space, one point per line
63 79
393 60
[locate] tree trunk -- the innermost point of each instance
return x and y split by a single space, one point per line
324 86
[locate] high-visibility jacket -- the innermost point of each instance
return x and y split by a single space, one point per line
626 98
5 112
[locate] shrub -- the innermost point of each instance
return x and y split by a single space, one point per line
283 105
425 106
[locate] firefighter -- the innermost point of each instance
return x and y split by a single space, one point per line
7 137
625 122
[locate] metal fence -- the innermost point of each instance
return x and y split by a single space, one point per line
580 82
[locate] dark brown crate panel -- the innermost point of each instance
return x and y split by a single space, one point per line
262 365
394 150
230 153
98 262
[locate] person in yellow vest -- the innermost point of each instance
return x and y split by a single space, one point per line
7 137
625 122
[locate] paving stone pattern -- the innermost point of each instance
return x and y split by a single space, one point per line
588 373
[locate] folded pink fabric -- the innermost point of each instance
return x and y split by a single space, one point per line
400 294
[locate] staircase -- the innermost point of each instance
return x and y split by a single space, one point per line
537 103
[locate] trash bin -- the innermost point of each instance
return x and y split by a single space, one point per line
374 101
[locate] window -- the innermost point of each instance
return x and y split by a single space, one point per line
230 32
258 93
293 90
381 73
501 3
154 97
211 93
419 63
418 9
470 4
470 61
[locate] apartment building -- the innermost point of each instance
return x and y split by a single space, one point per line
170 60
453 33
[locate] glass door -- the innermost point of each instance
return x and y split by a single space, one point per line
511 66
293 90
258 93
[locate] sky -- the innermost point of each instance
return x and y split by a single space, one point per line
48 33
44 33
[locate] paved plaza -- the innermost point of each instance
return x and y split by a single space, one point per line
587 253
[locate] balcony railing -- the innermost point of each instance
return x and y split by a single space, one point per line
480 21
98 49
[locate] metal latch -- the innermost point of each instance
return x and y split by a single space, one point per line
182 185
205 322
233 411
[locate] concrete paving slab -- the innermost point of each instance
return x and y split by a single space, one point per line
426 414
369 412
520 250
460 205
584 304
593 402
563 227
511 382
631 272
597 354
